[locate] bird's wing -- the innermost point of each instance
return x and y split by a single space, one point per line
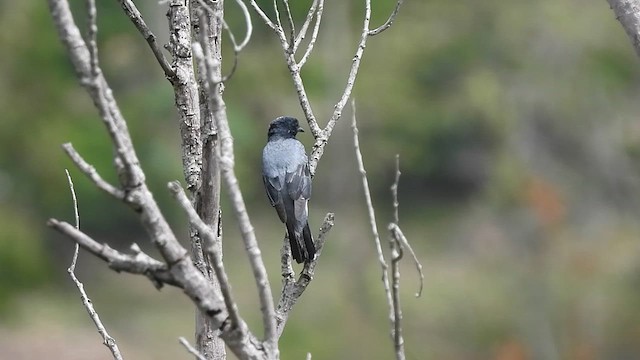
299 190
299 182
274 186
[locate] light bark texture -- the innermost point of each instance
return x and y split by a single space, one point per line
628 14
208 160
206 198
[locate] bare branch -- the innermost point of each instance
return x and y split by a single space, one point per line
277 11
99 91
237 48
247 19
186 91
389 21
226 161
322 136
264 16
305 26
135 16
314 35
398 234
131 174
179 266
316 131
75 212
191 349
292 26
91 172
292 290
628 15
394 228
209 237
318 147
206 199
394 192
396 256
107 340
138 263
372 219
92 36
367 195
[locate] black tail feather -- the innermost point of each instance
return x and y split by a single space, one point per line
296 247
308 243
302 247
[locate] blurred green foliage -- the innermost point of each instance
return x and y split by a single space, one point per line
517 128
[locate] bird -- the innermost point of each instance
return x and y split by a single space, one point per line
287 181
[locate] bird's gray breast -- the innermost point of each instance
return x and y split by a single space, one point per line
282 156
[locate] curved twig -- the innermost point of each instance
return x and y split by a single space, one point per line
387 24
107 340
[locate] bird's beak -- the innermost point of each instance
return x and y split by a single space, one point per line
300 129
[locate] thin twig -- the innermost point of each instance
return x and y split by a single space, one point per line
396 256
209 237
396 246
138 263
135 16
277 11
107 340
74 259
247 19
75 212
292 26
314 35
264 16
318 147
389 21
372 217
394 227
397 233
191 349
394 192
91 172
305 26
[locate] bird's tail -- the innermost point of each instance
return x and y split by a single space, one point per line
296 245
308 242
302 247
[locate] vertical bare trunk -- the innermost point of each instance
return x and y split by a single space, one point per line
206 199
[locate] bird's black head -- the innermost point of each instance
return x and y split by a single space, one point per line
284 127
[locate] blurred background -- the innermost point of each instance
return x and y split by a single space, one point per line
517 128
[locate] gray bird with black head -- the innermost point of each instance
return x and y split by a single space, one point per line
286 176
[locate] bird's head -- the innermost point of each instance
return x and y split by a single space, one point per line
285 127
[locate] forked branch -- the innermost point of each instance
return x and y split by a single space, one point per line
177 268
397 243
321 135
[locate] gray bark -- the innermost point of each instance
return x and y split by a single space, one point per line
628 14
